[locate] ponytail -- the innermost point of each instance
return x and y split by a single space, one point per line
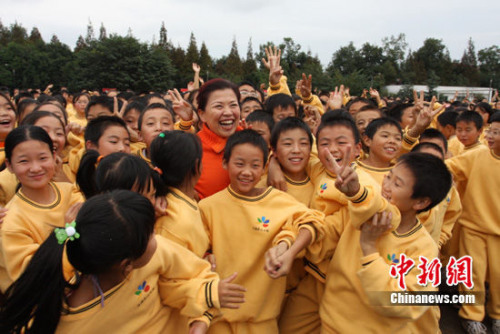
36 298
85 177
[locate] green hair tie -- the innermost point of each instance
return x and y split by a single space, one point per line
68 232
161 135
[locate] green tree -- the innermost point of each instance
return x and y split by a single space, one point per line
90 34
205 62
232 66
468 65
250 72
102 32
163 43
489 65
35 36
345 60
192 54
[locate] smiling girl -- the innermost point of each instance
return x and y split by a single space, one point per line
38 206
7 122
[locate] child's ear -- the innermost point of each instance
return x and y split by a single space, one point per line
224 164
90 145
367 140
126 266
421 203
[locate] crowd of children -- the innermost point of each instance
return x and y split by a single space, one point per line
227 209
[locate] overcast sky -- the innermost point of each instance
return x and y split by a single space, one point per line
321 26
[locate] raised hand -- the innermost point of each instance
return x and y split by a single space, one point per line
347 179
117 112
305 86
312 117
273 64
230 294
196 68
336 98
182 108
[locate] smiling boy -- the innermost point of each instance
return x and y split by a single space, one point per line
243 222
359 269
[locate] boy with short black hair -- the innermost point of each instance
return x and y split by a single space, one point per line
99 106
383 139
261 122
252 221
291 141
469 126
363 251
431 135
281 106
480 231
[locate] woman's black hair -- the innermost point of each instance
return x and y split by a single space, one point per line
24 133
112 227
178 155
114 171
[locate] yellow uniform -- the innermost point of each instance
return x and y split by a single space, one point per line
455 146
439 220
241 229
76 118
182 223
480 230
143 302
141 153
301 312
377 174
8 185
354 282
27 225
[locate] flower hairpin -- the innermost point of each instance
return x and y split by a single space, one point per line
68 232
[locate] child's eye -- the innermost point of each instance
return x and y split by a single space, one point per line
113 142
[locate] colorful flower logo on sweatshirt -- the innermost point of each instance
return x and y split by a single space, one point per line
392 258
263 221
322 188
143 287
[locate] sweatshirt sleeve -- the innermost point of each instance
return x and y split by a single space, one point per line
280 88
186 281
378 284
451 216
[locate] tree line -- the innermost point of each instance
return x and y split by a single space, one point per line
124 62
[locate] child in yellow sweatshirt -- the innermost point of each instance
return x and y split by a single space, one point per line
243 222
128 280
480 231
359 271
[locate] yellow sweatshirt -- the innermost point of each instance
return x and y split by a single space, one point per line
241 229
439 220
280 88
355 284
377 174
302 191
182 223
455 146
328 199
141 153
28 224
479 168
143 302
8 185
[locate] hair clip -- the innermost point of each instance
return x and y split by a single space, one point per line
68 232
158 170
99 158
161 135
